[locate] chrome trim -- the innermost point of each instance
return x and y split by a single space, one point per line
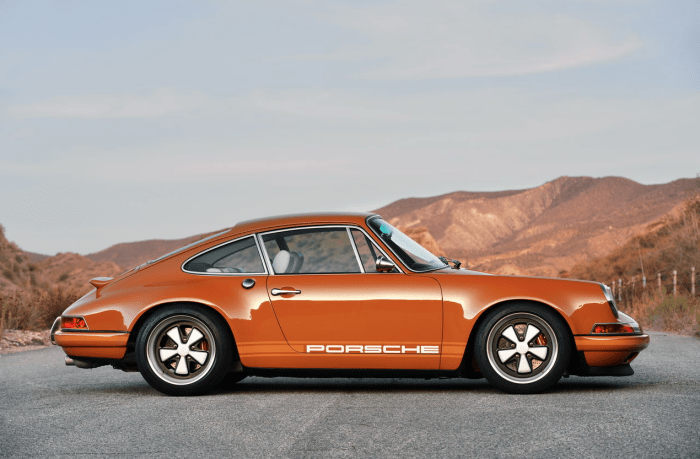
294 228
266 257
354 249
372 217
278 291
182 266
54 328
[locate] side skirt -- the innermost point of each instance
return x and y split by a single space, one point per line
350 373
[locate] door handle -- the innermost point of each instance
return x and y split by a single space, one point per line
276 291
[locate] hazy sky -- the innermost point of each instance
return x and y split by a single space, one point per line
131 120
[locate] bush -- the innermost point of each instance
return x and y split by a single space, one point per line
35 310
665 312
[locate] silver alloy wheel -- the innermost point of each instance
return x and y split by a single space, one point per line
522 348
181 349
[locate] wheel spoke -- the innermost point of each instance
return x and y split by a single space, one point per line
506 354
166 354
199 356
182 366
195 336
524 365
531 332
539 351
174 334
510 335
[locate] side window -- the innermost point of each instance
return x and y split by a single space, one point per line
241 256
367 250
311 250
368 253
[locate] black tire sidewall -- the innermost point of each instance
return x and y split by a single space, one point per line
222 360
560 330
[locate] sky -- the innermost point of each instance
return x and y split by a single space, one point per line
131 120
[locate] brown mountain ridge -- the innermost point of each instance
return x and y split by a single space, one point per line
544 230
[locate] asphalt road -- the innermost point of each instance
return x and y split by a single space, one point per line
50 410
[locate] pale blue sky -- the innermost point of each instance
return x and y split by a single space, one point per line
123 121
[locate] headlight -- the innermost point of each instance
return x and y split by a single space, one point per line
611 299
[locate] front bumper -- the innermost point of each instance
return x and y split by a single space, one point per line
610 351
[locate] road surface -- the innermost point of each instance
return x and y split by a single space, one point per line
50 410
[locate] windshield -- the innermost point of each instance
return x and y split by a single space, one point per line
412 254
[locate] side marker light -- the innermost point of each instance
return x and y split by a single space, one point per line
607 329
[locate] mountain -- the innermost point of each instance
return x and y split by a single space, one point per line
73 272
130 254
16 272
671 243
543 230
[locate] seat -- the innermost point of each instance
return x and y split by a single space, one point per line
296 262
281 263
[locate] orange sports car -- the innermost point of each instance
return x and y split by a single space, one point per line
344 295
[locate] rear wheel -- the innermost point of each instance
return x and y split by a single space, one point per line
183 350
523 348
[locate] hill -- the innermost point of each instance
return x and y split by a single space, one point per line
671 243
543 230
130 254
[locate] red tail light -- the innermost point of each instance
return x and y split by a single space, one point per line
73 323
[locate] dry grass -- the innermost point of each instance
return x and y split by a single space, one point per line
35 310
665 312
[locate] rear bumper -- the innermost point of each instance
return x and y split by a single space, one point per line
610 351
95 344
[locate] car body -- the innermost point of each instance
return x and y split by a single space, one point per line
340 295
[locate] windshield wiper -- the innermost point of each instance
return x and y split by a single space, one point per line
447 261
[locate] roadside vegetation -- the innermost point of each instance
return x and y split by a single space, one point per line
35 310
657 302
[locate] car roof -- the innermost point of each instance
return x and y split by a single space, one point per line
281 221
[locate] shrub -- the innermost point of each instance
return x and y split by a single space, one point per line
666 312
35 310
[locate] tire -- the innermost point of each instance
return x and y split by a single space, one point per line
523 348
184 350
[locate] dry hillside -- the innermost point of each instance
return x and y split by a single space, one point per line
542 230
16 271
73 272
130 254
671 243
69 271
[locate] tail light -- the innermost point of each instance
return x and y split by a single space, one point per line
73 323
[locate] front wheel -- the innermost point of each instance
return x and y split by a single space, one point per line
523 348
183 351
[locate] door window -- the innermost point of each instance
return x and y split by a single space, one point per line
311 250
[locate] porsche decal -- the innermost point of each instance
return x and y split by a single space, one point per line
371 349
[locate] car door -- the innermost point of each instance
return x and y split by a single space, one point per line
338 312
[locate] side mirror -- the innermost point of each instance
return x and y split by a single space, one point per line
384 265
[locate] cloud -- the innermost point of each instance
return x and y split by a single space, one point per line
160 102
416 40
